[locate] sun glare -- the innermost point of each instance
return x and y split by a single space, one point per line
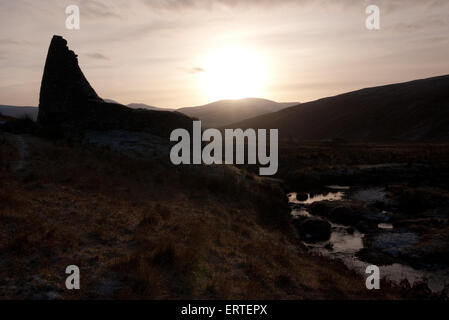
233 73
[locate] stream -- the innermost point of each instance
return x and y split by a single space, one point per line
346 241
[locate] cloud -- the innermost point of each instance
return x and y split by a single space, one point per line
210 4
8 41
428 22
196 70
97 56
100 9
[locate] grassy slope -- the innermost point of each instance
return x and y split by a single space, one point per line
144 229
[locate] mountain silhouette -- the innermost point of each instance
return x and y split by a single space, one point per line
224 112
416 110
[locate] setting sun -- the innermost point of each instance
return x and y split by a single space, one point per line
233 73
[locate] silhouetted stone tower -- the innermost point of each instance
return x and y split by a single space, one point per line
65 92
68 101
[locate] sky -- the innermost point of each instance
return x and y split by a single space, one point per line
180 53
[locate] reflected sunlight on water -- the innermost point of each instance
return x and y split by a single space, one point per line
311 198
385 226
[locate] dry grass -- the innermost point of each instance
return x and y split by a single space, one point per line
140 229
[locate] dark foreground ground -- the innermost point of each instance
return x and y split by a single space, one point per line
141 228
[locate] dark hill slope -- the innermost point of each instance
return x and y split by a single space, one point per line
416 110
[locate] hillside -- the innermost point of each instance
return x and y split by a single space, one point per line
224 112
416 110
139 229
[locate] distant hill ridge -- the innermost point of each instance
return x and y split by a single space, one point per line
18 112
214 114
224 112
147 107
416 110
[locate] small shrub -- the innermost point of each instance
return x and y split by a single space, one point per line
24 125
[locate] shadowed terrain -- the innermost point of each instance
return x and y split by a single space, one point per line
416 110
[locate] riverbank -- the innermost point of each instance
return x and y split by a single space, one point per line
361 236
389 202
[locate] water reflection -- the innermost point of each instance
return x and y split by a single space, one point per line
345 241
311 198
385 226
296 213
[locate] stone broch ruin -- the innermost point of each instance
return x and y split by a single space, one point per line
68 100
64 87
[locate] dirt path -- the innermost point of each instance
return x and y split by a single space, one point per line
23 150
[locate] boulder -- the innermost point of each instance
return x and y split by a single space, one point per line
301 196
322 208
313 229
344 215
